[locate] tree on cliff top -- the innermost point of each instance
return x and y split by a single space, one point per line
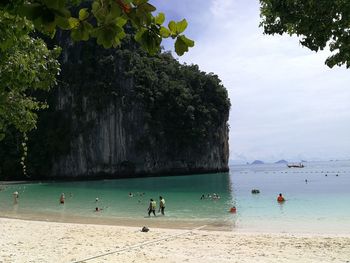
319 23
26 64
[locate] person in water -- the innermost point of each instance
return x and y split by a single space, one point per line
62 198
15 197
280 198
98 209
152 207
161 205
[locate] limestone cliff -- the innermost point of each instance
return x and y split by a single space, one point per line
120 112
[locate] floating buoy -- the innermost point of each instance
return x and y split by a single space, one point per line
233 210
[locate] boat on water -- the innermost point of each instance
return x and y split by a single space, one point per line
295 165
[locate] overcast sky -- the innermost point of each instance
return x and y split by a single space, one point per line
286 103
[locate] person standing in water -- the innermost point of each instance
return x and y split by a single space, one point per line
15 197
62 198
152 207
280 198
161 205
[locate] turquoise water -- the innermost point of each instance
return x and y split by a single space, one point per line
320 205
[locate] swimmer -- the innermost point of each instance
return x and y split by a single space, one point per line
131 194
98 209
202 197
280 198
233 210
96 200
62 198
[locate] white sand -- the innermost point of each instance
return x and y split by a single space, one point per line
33 241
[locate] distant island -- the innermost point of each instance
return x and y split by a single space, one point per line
281 162
257 162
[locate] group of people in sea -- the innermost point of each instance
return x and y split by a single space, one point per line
213 196
153 205
137 194
280 200
151 208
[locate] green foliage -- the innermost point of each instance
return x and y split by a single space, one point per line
26 65
183 106
319 23
103 20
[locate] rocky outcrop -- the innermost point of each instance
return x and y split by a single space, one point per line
121 113
109 145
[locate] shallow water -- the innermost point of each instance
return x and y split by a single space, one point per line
321 205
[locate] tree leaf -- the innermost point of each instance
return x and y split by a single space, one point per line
160 18
182 44
73 22
172 27
181 26
83 14
147 7
164 32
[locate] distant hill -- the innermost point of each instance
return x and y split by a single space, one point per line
257 162
303 161
281 162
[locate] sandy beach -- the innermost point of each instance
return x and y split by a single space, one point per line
34 241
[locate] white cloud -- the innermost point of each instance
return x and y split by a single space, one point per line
222 8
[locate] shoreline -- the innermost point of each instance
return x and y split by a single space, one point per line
160 223
37 241
155 222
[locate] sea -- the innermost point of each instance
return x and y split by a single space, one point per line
317 200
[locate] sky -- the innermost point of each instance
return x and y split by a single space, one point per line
286 103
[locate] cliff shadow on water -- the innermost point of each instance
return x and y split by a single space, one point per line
122 113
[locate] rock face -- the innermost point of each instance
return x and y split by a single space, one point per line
121 113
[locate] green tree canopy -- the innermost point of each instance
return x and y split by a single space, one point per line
103 20
319 23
